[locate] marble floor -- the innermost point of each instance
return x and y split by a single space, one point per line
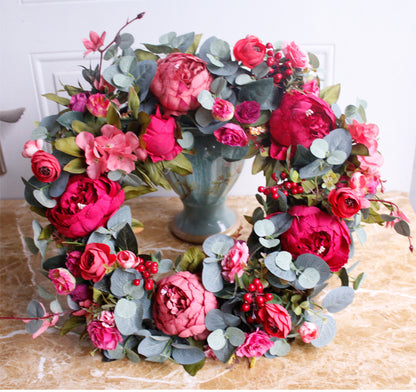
375 346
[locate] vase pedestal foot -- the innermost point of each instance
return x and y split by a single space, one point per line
197 223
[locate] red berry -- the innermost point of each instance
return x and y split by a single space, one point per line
146 274
245 307
283 175
267 191
260 300
250 319
277 78
136 282
286 193
278 55
247 298
288 64
288 72
256 282
141 268
270 61
261 189
251 288
270 52
288 185
294 191
269 45
154 270
149 284
274 189
148 264
300 189
268 296
274 176
275 196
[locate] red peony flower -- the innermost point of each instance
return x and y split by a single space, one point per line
314 231
250 51
95 260
180 305
299 119
45 166
276 320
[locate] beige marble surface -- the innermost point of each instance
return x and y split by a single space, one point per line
375 347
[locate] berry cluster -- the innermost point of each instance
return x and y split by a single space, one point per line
278 70
254 299
283 185
147 269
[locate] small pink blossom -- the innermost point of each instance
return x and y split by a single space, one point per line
235 261
222 110
308 331
31 147
63 280
295 54
78 102
107 318
127 259
94 43
365 134
49 320
256 344
98 104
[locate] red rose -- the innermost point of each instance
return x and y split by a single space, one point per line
344 202
276 320
314 231
299 119
178 80
180 305
85 205
95 260
250 51
159 138
45 166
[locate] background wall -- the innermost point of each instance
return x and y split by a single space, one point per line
366 45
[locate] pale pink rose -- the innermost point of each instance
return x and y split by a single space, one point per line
256 344
231 135
107 318
31 147
222 110
103 335
98 104
179 79
308 331
247 112
365 134
94 43
359 183
78 102
127 259
235 261
295 54
48 321
72 262
63 280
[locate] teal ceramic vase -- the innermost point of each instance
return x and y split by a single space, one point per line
203 193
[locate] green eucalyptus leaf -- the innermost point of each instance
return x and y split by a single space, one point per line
271 262
269 242
235 335
216 339
212 277
309 278
264 228
280 348
187 356
359 280
319 148
124 41
338 299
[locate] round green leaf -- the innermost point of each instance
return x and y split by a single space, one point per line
216 339
235 336
319 148
187 141
206 99
264 227
338 299
125 308
284 260
309 278
337 157
123 81
270 263
269 243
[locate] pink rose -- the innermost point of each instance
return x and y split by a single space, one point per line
247 112
345 202
72 262
31 147
95 261
85 205
250 51
235 261
98 104
45 166
159 138
222 110
127 259
179 79
78 102
275 319
104 333
180 304
299 119
315 231
231 135
295 54
365 134
63 280
308 331
256 344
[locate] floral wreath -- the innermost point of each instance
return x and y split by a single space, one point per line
232 298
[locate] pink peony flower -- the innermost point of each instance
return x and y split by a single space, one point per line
345 202
98 104
72 262
231 135
63 280
179 79
256 344
299 119
48 321
159 139
250 51
247 112
78 102
85 205
275 319
235 261
95 261
127 259
31 147
295 54
94 43
365 134
104 333
45 166
180 304
308 331
222 110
